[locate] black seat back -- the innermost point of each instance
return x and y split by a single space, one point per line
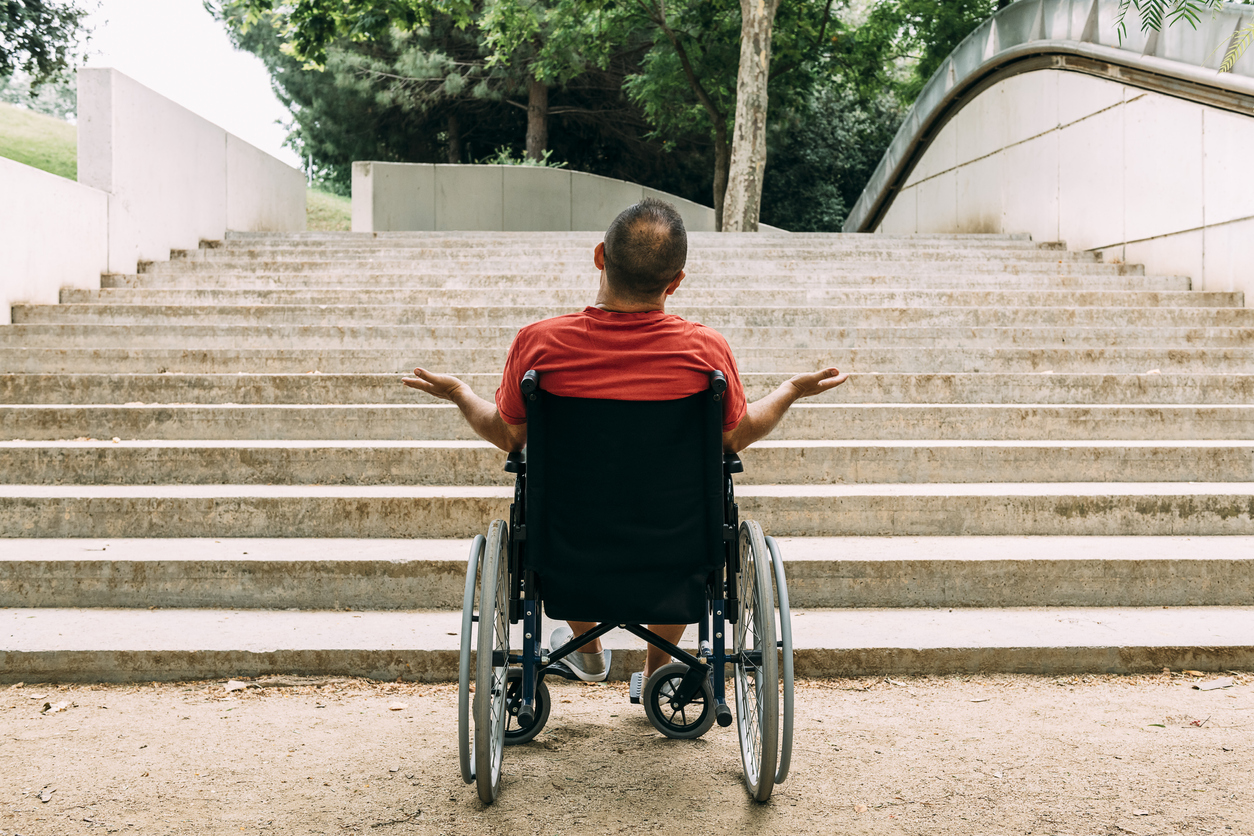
624 510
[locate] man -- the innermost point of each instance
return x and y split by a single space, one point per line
625 347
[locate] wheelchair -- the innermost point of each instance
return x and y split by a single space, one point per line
624 515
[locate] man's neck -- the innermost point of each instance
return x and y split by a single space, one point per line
608 302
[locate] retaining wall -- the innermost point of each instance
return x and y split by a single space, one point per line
173 177
53 234
402 197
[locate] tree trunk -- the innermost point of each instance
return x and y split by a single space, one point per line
748 151
537 119
454 139
722 157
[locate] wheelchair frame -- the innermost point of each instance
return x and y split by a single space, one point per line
750 584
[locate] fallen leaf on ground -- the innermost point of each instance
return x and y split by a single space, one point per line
397 706
1194 673
1140 812
51 708
859 808
234 685
980 699
45 795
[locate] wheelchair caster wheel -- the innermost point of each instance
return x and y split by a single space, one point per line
517 728
680 722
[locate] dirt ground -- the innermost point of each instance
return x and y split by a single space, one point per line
917 755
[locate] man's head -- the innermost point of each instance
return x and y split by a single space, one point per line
645 249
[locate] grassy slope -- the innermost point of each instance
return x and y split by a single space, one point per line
39 141
327 212
52 145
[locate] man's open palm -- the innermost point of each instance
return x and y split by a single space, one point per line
816 383
440 385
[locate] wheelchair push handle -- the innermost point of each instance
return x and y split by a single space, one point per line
718 382
530 383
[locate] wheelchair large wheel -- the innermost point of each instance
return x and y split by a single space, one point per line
756 658
690 721
515 733
470 611
492 663
785 655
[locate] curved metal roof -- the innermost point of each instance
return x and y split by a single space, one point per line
1071 35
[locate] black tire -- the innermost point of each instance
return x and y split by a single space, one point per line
786 662
514 733
756 658
687 723
470 610
492 646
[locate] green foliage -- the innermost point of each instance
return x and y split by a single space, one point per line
42 38
911 35
39 141
505 156
821 156
1154 15
58 99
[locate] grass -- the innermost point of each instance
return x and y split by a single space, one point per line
326 212
52 145
39 141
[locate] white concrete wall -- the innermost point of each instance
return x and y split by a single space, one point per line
1140 177
398 197
173 177
53 234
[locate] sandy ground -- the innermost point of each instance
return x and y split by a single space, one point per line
918 755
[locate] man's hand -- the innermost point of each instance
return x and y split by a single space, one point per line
482 415
442 386
816 383
764 414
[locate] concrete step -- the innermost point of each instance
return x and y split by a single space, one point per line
548 257
428 420
1072 508
200 462
362 337
863 388
726 239
111 645
461 361
505 272
721 317
689 298
845 572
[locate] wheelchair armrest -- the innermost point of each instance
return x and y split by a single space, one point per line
732 463
516 463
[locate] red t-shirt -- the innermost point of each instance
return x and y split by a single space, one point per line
650 356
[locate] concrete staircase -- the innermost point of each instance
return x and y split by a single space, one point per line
210 468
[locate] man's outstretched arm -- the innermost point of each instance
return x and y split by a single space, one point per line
482 415
765 413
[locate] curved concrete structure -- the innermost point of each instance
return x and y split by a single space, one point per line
1041 121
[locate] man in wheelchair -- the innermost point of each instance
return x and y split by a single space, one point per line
623 505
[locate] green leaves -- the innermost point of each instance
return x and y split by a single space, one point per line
42 38
1154 15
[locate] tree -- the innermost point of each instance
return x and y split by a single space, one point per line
42 38
743 202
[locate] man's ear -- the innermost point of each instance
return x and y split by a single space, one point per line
598 256
673 286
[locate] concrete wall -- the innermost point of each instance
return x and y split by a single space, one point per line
397 197
1138 176
53 234
173 177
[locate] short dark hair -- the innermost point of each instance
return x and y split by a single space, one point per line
645 249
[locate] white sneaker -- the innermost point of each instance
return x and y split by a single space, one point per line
590 667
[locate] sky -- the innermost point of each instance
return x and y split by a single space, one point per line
177 49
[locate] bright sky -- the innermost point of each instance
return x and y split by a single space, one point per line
177 49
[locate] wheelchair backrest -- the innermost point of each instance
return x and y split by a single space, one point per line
624 509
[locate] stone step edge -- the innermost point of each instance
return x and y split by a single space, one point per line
174 645
850 572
